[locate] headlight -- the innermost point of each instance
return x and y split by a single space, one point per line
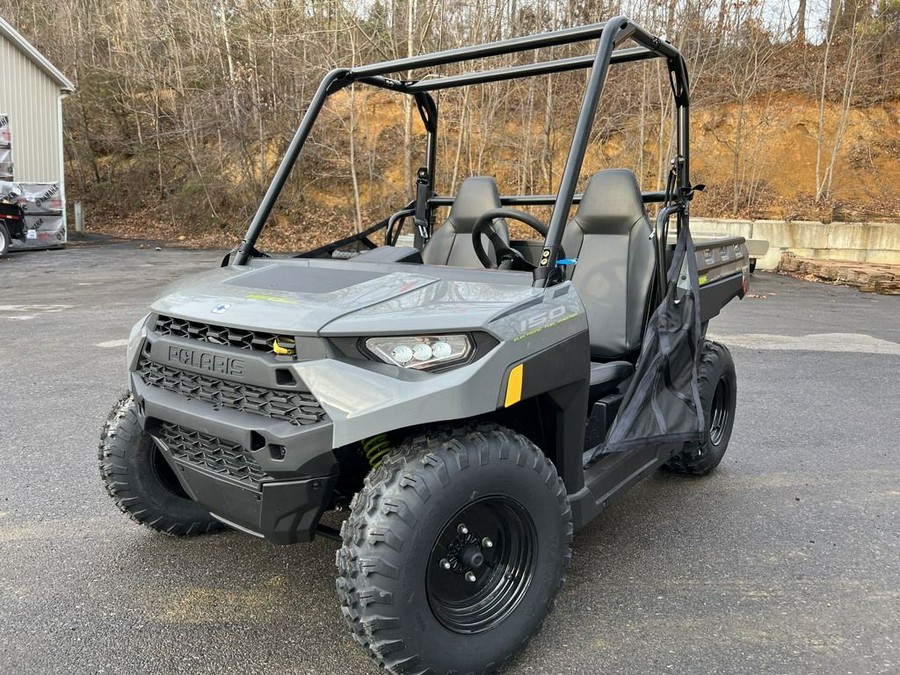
421 352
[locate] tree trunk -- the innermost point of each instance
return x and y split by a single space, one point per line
800 34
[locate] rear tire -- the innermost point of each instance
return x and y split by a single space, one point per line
4 239
477 500
718 397
142 482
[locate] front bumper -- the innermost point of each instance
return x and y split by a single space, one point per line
258 457
283 512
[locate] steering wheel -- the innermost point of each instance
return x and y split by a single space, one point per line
507 258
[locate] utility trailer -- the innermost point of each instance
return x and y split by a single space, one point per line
31 216
471 399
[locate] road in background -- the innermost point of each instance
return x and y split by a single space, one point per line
785 560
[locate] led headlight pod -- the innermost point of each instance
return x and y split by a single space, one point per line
421 352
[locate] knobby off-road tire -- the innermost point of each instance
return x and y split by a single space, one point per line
434 507
718 397
4 239
140 480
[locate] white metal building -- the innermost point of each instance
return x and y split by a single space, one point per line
31 93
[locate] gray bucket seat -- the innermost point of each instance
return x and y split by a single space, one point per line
611 237
451 243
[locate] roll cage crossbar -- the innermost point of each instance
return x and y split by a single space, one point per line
609 34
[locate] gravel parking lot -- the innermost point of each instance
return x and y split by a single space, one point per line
785 560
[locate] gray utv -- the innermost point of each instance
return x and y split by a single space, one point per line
471 399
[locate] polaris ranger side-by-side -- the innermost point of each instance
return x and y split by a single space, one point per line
472 399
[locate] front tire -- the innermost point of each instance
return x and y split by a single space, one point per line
454 551
142 482
4 239
718 397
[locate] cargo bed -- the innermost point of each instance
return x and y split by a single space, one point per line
723 267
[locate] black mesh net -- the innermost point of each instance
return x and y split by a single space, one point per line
662 403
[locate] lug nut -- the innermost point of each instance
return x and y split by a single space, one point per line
487 543
462 529
445 563
470 577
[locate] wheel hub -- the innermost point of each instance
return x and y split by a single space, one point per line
719 413
480 564
472 557
464 552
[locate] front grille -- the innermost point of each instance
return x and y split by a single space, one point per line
217 335
210 452
298 408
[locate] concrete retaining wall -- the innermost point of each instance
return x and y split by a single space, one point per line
859 242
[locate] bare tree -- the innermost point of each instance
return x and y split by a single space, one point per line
184 107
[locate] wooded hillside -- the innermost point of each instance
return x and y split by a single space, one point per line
184 108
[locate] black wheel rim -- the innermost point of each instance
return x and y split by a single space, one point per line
481 564
163 473
720 412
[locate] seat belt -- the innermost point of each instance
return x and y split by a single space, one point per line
420 217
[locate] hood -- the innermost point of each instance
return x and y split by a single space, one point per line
332 297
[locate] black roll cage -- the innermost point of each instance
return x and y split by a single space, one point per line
610 35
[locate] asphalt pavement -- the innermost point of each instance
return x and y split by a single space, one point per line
785 560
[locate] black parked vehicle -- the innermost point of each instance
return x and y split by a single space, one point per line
12 216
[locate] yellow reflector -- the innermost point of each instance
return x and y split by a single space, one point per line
286 349
514 386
